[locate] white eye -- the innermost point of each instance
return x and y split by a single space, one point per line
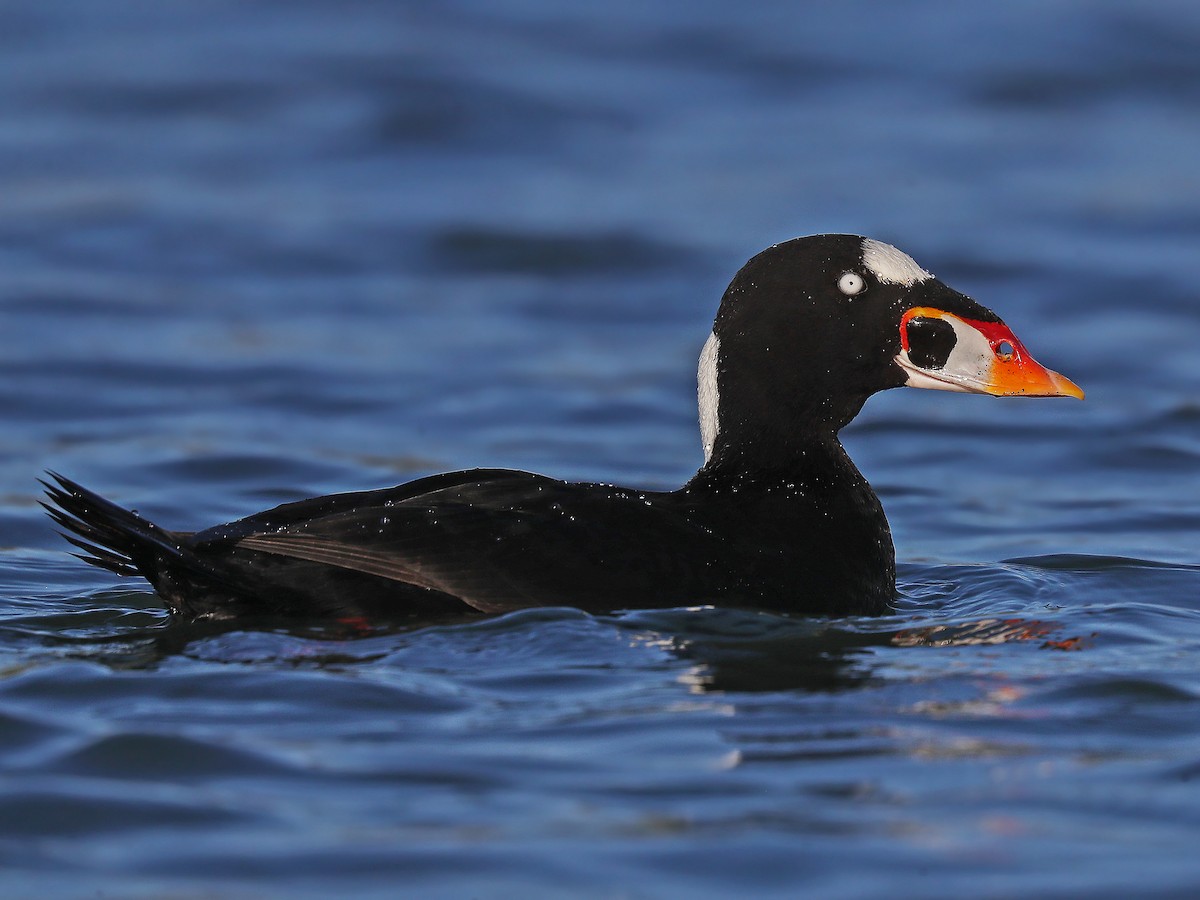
851 283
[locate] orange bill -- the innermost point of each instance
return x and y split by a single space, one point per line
942 351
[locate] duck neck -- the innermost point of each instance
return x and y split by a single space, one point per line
816 466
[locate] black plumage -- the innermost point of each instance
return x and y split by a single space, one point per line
777 518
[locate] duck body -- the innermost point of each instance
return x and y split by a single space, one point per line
778 517
493 540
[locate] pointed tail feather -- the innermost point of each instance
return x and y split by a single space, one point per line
111 537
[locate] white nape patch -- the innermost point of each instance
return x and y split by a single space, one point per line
891 266
707 393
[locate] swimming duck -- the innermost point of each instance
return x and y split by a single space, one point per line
777 518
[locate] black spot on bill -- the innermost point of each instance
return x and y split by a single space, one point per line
930 342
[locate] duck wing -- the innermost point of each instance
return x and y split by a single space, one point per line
496 540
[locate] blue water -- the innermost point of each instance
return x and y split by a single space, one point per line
254 252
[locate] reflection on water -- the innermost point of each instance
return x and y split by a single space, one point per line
727 650
731 650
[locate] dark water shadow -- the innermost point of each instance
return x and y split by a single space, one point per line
740 651
734 650
728 650
143 635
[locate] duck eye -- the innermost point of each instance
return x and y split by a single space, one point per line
851 283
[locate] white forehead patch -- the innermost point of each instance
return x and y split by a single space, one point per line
891 266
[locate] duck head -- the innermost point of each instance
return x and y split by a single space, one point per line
810 328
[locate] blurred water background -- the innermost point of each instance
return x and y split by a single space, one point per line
254 252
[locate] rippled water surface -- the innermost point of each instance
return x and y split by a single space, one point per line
250 253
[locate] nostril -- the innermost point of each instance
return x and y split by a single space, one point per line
1005 350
